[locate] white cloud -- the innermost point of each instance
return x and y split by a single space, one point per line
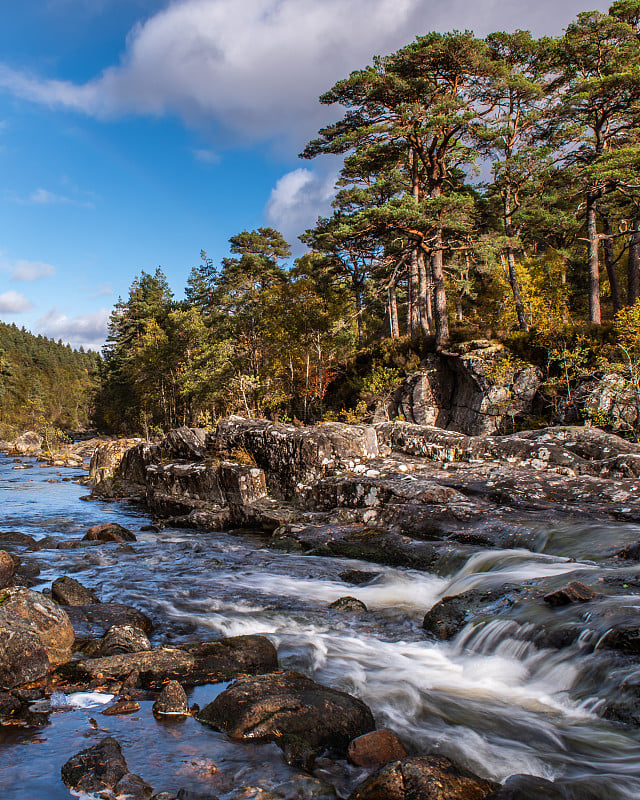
88 330
44 197
31 271
207 156
14 303
258 66
297 200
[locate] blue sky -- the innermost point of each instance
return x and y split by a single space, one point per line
134 133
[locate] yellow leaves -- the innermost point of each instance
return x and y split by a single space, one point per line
627 327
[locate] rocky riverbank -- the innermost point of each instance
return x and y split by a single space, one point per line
419 498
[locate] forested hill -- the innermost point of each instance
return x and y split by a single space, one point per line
43 382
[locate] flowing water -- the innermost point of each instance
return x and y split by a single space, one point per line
489 699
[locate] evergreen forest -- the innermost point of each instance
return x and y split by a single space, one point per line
44 383
490 187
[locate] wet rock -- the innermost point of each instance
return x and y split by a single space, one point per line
25 611
96 768
574 592
288 705
24 658
7 569
109 532
172 700
19 538
197 664
357 576
132 787
624 637
376 748
95 619
631 552
70 592
121 706
348 604
529 787
450 615
424 778
124 639
9 704
187 794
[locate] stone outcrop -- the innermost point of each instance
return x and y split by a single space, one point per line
476 389
28 444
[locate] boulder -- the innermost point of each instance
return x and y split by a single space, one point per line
424 778
450 614
95 769
29 443
70 592
284 706
94 619
132 787
106 458
109 532
376 748
172 700
7 569
26 619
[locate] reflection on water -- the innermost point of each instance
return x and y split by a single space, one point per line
490 699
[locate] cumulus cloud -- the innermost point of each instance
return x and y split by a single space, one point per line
14 303
207 156
31 271
297 200
257 66
88 330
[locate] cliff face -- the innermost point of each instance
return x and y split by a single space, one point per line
394 476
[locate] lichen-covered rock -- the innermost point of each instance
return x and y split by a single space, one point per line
288 705
106 458
171 700
424 778
351 604
24 658
70 592
96 768
23 611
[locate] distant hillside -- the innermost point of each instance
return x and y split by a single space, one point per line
43 382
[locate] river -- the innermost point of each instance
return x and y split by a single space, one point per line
489 699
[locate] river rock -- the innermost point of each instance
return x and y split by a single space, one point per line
450 614
132 787
24 658
106 458
8 704
122 706
348 604
18 538
94 619
124 639
96 768
285 706
376 748
7 569
574 592
209 662
172 700
23 611
424 778
109 532
357 576
70 592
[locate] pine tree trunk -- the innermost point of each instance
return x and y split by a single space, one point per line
440 295
413 312
609 259
511 263
594 266
423 294
394 325
633 265
358 295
